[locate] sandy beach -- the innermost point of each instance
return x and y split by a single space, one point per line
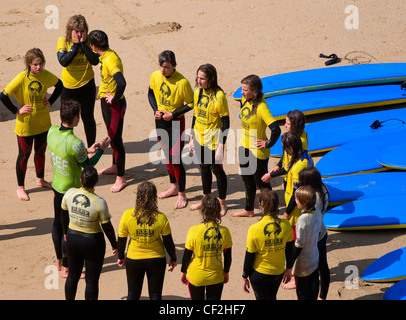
239 38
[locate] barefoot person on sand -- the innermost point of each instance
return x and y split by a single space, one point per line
113 103
170 96
29 87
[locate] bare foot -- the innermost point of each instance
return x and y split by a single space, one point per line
59 264
172 191
223 206
243 213
196 206
182 201
290 285
64 272
21 194
42 183
119 185
111 170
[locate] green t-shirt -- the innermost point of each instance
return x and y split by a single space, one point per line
67 152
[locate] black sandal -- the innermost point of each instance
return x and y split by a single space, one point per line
333 57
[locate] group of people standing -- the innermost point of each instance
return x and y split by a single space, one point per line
81 217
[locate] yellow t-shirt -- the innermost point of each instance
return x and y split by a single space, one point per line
171 93
146 242
267 239
86 210
79 71
208 111
207 241
286 157
253 127
292 182
110 64
31 90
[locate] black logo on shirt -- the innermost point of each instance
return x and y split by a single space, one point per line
272 228
35 87
245 113
81 200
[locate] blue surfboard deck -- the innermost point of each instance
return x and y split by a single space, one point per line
384 212
396 291
365 185
390 267
393 157
359 155
331 77
323 101
328 134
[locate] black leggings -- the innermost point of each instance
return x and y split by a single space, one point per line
113 116
24 151
308 287
155 270
84 249
86 95
170 138
323 268
57 231
252 170
213 292
265 286
208 164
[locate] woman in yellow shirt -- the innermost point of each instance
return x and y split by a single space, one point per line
202 264
254 147
77 59
269 249
210 126
150 235
29 88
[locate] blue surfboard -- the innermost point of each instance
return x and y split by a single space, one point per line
393 157
315 102
390 267
384 212
328 134
331 77
366 185
359 155
396 292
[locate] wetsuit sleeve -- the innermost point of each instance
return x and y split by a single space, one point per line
152 100
289 254
121 84
121 243
64 220
8 104
187 256
278 173
225 125
275 133
92 56
181 111
292 203
193 122
66 58
169 246
248 264
295 253
227 260
56 93
110 234
93 160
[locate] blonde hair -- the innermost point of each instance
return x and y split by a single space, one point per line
75 22
306 196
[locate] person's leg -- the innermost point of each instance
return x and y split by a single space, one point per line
94 258
87 96
213 292
155 275
196 293
24 152
324 269
40 146
265 286
113 115
58 237
76 261
135 271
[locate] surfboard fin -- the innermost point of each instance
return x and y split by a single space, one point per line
333 59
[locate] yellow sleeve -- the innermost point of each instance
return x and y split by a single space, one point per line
122 229
104 211
166 228
61 44
14 85
190 239
266 115
223 104
186 93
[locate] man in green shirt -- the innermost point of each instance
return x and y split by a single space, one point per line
68 156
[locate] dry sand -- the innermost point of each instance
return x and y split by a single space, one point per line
239 37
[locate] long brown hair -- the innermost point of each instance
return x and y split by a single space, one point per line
291 140
297 121
30 56
75 22
269 203
146 203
